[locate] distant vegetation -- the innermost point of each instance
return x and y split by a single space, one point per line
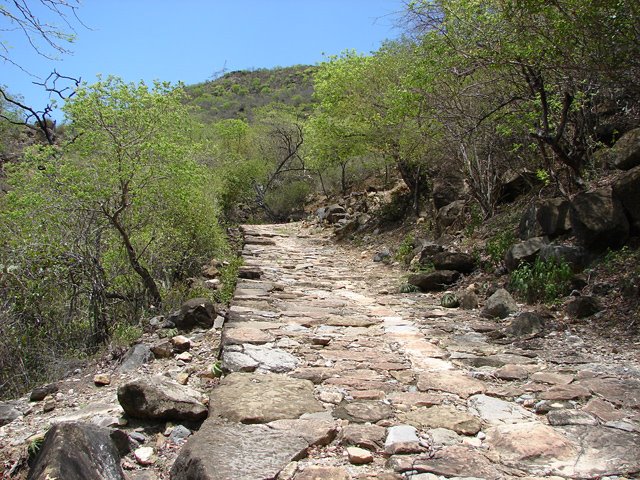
239 94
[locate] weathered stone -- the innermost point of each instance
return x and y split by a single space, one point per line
566 392
137 356
238 362
602 452
240 335
553 216
454 461
512 372
552 378
181 343
316 472
314 374
605 411
575 256
145 456
196 312
366 436
570 417
102 379
443 437
598 220
434 281
315 432
272 359
584 306
221 450
249 272
442 416
524 325
448 214
49 404
362 412
497 412
8 413
179 433
162 349
77 451
451 382
627 191
402 439
524 252
39 394
520 442
415 399
265 397
447 188
468 300
359 456
457 261
184 357
501 304
160 398
621 392
625 153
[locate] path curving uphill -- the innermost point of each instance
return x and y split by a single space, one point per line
333 375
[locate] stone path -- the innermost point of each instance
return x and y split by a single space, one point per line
333 375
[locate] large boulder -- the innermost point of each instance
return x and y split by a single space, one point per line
553 216
160 398
448 214
526 251
332 213
575 256
627 191
598 220
434 281
458 261
447 188
197 312
516 183
77 451
625 153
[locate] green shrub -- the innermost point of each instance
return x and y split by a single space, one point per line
405 249
498 245
288 199
544 281
125 334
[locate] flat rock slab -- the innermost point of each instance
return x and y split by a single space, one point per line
222 451
240 335
453 461
363 412
624 393
323 473
262 398
451 382
497 412
442 416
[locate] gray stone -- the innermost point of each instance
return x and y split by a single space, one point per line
160 398
497 412
443 437
363 412
179 433
598 220
434 281
77 451
402 439
584 306
468 300
8 413
576 256
365 436
625 153
442 416
137 356
237 362
453 461
262 398
501 304
627 191
272 359
38 394
525 324
196 312
457 261
570 417
221 450
315 432
524 252
553 216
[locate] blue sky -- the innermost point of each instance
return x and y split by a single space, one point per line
190 40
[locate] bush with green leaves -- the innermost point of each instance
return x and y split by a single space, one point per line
498 245
405 249
543 281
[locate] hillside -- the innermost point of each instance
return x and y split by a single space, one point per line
237 94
